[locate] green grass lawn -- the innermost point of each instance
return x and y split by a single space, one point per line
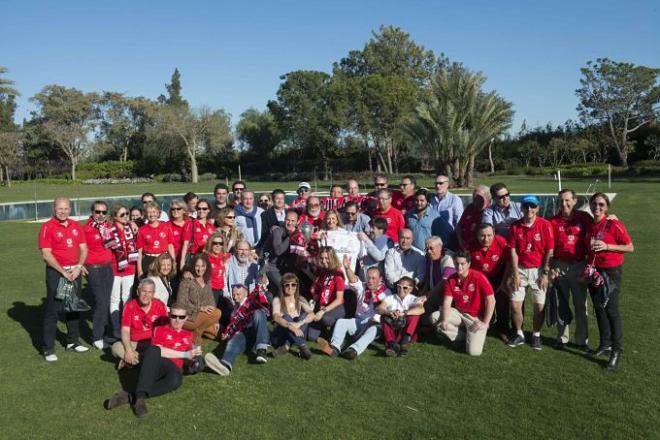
433 393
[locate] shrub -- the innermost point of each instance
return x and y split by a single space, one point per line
105 170
206 177
170 177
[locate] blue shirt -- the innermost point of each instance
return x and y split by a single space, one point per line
450 208
429 224
502 219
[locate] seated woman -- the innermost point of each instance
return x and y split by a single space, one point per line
327 291
247 329
161 272
400 314
291 314
161 364
196 296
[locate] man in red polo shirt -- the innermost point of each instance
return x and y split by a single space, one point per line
161 364
570 227
474 303
138 320
64 249
466 230
404 200
490 256
99 267
393 217
532 243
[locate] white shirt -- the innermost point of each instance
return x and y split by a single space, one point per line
393 302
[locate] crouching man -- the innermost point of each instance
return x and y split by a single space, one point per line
474 303
247 328
161 364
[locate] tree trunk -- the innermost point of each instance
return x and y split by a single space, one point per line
369 155
73 169
194 176
124 154
490 157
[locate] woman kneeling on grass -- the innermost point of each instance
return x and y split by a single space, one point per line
160 365
291 313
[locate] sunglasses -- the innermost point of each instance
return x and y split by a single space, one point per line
231 217
264 201
98 211
503 196
176 208
529 206
202 209
303 190
380 184
290 285
402 287
181 317
216 243
600 204
442 183
238 189
351 213
122 214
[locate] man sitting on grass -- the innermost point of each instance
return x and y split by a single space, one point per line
161 364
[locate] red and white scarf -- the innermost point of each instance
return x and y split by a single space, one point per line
125 250
377 295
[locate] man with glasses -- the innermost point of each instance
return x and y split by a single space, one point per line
300 202
64 250
248 218
503 212
466 230
150 197
221 194
272 217
161 364
425 222
354 220
242 268
404 200
448 205
99 237
237 189
404 260
278 246
376 244
393 217
532 243
313 213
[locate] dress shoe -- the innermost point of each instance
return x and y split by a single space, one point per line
615 358
602 350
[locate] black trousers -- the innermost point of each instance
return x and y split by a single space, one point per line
608 317
100 279
158 375
52 313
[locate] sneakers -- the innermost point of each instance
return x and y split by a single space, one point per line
305 353
216 365
119 399
140 407
516 340
349 354
261 356
326 347
76 348
99 345
558 345
50 357
392 350
279 351
536 343
403 349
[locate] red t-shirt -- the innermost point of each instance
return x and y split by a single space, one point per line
395 222
97 253
177 236
154 240
335 203
142 323
166 336
403 204
130 269
316 222
470 221
569 235
63 241
531 242
200 235
491 261
326 285
611 232
469 294
299 204
218 263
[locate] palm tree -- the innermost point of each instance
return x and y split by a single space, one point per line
458 120
6 84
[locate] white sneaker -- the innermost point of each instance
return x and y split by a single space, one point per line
77 348
50 357
99 345
216 365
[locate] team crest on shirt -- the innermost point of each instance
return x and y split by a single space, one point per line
495 257
177 345
457 289
205 237
561 228
162 235
477 257
168 337
528 247
69 242
59 235
571 238
466 298
471 287
486 266
537 237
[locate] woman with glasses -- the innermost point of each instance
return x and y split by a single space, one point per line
226 222
124 262
291 314
161 272
218 259
178 219
607 240
327 291
196 232
265 201
153 239
136 215
196 296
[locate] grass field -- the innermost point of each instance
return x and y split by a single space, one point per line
433 393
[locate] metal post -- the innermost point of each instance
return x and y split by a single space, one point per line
36 205
609 176
239 172
559 178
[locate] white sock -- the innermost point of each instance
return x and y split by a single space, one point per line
520 332
536 334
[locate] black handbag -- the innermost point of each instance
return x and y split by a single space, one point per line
68 293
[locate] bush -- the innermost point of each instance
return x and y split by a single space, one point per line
170 177
110 169
207 177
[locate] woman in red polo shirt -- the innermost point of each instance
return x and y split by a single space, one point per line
328 294
178 219
196 232
607 240
218 259
153 239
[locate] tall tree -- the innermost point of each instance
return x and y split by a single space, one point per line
383 83
622 96
197 131
8 96
174 96
11 145
458 120
67 117
308 113
259 131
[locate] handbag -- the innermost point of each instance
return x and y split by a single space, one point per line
68 293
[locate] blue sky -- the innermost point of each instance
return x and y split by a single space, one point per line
232 54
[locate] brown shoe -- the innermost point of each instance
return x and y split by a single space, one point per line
279 351
119 399
349 354
140 407
392 350
326 347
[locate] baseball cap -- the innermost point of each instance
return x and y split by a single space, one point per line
304 185
531 199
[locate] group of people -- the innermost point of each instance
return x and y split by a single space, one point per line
339 271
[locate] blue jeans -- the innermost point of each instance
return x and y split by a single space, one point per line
256 334
326 323
283 336
366 333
